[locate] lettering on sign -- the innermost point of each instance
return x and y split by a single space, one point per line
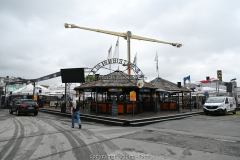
118 61
88 90
115 90
144 90
104 63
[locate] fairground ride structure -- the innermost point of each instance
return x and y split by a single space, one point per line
127 36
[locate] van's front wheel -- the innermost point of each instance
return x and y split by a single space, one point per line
235 110
225 112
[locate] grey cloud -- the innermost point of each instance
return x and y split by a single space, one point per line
34 43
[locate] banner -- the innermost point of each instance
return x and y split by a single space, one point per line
132 96
135 61
116 52
186 78
156 59
140 83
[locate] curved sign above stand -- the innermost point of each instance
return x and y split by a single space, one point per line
138 73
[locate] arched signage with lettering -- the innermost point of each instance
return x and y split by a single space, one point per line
135 69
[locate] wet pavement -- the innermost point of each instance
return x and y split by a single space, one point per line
47 136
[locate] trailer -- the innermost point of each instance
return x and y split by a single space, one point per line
238 97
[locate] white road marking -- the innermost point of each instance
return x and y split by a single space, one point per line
225 140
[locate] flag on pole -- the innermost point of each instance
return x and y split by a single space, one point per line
116 52
186 78
110 55
135 61
156 59
234 79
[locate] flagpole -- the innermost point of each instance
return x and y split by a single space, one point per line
135 61
156 59
158 68
111 57
117 50
110 64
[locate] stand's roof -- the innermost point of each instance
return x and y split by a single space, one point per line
115 79
165 85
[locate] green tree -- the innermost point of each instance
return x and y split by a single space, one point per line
89 78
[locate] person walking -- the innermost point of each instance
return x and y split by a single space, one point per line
83 104
75 108
56 105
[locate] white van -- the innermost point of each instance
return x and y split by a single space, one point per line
221 105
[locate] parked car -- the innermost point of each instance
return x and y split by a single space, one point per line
24 106
221 105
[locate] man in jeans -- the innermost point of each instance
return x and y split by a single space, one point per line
75 108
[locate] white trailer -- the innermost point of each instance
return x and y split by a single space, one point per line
238 96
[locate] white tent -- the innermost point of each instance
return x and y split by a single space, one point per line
57 86
57 93
58 89
61 86
29 90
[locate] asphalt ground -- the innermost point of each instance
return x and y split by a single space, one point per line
47 136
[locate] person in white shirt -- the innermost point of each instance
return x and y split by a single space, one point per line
75 108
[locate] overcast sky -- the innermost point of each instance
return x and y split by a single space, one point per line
34 42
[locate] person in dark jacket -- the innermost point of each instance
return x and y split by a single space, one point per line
75 108
56 105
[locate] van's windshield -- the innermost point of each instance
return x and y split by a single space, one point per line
215 100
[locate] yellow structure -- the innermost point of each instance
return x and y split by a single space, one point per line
128 35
